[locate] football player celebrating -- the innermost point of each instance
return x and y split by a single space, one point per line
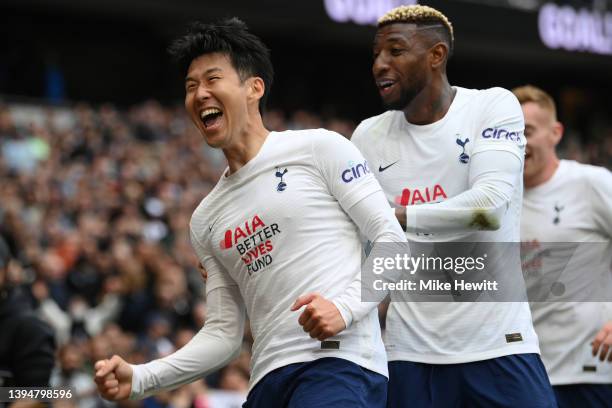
280 231
566 201
451 160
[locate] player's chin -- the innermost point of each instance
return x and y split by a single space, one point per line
393 102
214 139
530 168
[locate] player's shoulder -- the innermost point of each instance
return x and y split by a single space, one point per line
490 96
320 139
375 124
308 137
313 143
383 119
586 173
494 105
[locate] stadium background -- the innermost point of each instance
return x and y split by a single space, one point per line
100 168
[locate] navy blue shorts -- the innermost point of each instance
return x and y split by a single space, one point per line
518 380
584 395
326 382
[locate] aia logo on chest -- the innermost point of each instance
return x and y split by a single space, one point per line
280 173
421 195
252 241
463 157
558 208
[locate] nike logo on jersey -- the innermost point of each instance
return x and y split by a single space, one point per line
381 168
210 227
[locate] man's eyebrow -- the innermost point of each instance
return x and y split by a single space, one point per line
207 72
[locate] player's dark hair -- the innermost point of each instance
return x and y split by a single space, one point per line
247 53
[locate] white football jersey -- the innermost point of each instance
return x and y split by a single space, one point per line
277 229
430 163
575 205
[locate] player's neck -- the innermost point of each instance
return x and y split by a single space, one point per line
247 144
542 177
431 104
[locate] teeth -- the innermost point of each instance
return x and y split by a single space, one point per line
209 111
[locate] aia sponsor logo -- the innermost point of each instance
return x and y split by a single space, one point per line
355 171
253 242
532 256
232 236
421 195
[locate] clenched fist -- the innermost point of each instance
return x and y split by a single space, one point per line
320 318
113 378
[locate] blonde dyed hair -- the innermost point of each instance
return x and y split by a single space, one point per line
530 93
417 14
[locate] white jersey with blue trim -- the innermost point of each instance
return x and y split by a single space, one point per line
429 169
277 229
574 206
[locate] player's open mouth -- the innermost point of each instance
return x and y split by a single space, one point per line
211 117
385 85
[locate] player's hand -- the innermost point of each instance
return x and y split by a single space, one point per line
202 271
320 318
603 342
113 378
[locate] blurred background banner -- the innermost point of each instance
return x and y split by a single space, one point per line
115 51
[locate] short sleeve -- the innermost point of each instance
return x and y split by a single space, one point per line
343 167
501 126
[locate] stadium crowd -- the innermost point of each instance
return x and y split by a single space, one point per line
95 206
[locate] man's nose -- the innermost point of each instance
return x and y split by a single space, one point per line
380 65
203 92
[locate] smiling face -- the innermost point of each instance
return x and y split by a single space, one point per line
543 133
400 67
216 99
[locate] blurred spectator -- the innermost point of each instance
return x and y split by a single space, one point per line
70 374
26 343
21 152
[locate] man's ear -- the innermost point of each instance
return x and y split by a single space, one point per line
557 132
438 54
256 88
